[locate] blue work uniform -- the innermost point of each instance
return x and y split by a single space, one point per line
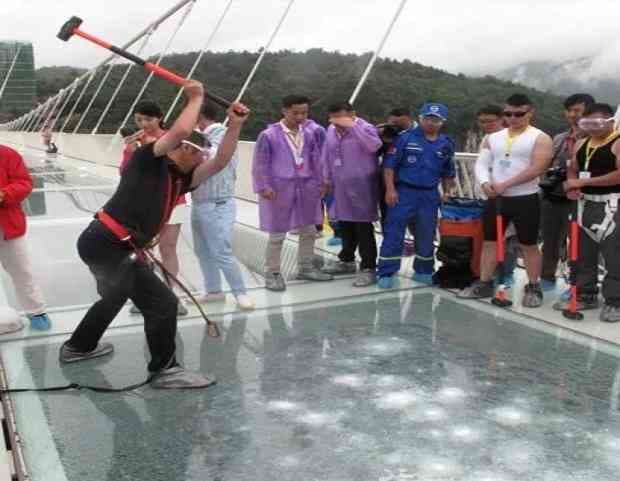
419 165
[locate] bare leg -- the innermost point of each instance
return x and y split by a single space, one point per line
488 261
533 262
168 247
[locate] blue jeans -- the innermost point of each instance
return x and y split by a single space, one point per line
212 229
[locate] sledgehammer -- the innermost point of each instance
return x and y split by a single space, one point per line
571 312
500 299
72 27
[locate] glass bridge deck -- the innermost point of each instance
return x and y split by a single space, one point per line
402 386
324 382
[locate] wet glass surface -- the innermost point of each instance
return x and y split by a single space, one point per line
69 204
414 387
66 281
58 172
55 221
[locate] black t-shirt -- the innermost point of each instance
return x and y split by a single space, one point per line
148 191
602 162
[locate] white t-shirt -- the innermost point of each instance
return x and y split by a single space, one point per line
511 158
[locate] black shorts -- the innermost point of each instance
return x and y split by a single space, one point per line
523 211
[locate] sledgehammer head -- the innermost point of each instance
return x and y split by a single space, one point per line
67 30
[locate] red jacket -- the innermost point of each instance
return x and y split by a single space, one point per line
16 185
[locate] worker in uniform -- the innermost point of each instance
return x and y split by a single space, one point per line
419 160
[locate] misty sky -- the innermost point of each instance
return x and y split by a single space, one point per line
471 36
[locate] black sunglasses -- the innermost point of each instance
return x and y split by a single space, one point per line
507 113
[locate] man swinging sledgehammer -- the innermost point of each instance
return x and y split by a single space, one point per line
112 245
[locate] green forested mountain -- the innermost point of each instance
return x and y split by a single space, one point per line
51 79
325 77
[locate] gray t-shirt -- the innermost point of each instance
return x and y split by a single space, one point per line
562 149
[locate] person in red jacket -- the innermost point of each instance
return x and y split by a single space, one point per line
15 186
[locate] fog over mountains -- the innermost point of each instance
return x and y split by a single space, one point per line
584 74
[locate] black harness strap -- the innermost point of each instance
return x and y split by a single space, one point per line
79 387
212 330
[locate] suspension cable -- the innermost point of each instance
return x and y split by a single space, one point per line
61 95
152 26
34 116
71 89
39 114
53 101
48 115
25 119
163 53
94 97
206 46
10 71
30 117
79 99
263 52
376 53
119 86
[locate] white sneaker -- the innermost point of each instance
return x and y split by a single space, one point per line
245 302
178 378
212 297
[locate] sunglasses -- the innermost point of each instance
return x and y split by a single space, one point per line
508 113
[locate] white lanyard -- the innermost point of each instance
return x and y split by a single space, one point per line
296 142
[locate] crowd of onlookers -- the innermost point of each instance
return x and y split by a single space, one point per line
401 172
356 174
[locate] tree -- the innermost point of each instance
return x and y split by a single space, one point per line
323 76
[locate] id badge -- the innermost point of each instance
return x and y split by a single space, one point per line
585 175
505 163
338 162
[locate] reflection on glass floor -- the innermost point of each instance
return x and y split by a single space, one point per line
66 281
409 387
58 172
63 202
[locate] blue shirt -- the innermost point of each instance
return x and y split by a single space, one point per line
419 162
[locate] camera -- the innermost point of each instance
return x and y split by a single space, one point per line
127 131
388 134
552 184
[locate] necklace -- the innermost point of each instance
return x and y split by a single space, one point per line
591 149
511 139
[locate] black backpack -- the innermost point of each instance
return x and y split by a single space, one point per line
455 254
